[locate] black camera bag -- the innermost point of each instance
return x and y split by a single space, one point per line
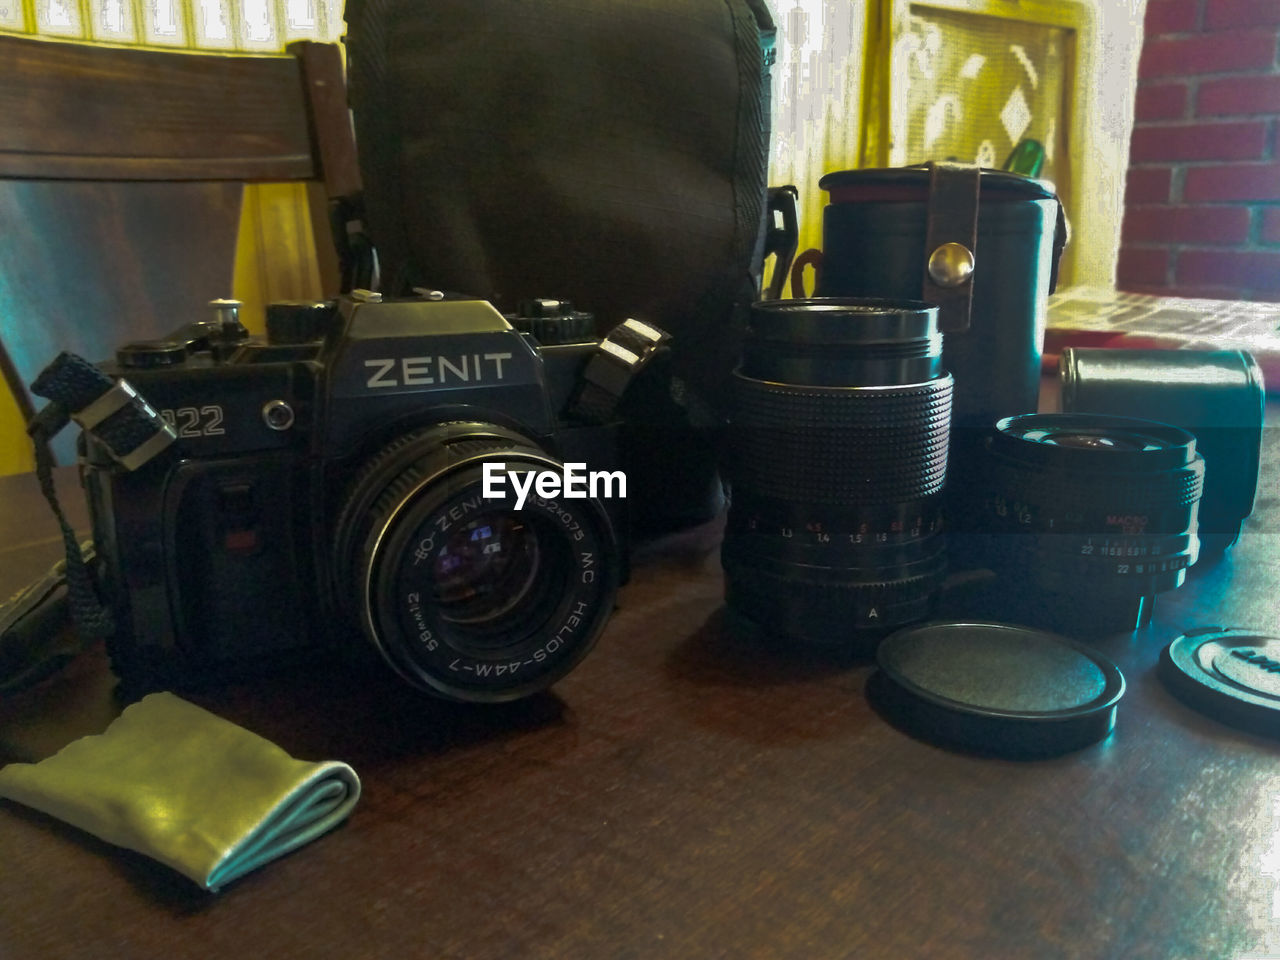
611 153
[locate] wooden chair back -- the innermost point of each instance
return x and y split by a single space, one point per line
121 179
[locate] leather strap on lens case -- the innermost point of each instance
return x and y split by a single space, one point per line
951 246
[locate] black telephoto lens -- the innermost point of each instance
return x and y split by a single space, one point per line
837 458
1090 517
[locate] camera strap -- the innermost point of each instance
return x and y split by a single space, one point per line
32 644
34 640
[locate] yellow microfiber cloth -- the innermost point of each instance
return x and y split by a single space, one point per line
187 788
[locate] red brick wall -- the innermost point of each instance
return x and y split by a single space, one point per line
1202 207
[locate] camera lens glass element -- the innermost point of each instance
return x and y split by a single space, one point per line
1085 442
485 569
463 594
838 455
492 580
1091 516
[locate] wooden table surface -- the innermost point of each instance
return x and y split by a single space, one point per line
683 795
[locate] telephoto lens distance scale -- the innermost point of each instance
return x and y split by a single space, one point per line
838 457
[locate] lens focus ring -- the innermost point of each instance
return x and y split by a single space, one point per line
1079 492
861 445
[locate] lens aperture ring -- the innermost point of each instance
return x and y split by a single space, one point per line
1152 566
832 603
1117 548
842 582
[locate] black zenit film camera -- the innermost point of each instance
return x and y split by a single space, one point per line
369 468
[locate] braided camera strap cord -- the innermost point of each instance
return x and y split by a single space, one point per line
32 642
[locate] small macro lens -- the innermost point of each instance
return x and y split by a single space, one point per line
1090 517
1216 395
837 459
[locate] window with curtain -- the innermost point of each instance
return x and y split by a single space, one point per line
227 25
870 83
818 99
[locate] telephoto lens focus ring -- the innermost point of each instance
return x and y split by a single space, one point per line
837 457
899 407
879 445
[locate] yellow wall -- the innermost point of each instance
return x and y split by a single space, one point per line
275 252
15 449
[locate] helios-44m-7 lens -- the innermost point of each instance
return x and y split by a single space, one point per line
838 455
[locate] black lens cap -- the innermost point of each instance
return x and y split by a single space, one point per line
995 688
1228 673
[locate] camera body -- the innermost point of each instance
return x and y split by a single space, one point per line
327 479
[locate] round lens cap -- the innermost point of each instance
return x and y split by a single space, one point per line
1230 674
996 688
